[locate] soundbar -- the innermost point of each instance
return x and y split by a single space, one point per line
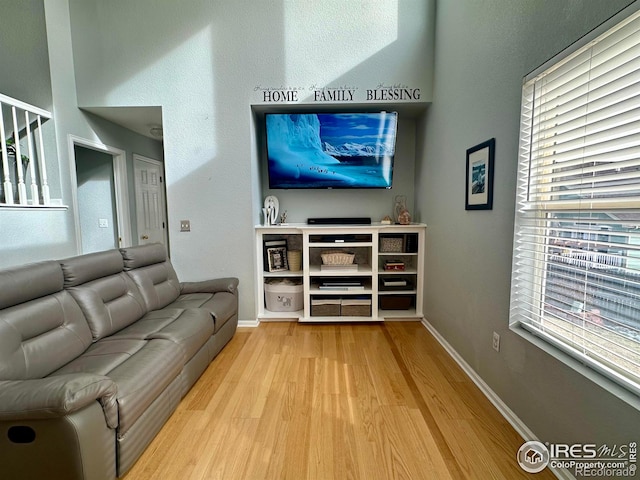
339 221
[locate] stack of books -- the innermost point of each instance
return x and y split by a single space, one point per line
394 265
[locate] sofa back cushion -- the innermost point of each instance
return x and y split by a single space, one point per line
41 326
107 296
153 274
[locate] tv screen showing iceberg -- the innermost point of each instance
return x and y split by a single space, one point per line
331 150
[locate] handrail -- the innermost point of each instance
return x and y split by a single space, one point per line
24 106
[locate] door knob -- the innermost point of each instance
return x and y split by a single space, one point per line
145 237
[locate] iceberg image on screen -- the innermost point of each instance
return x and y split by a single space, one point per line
331 150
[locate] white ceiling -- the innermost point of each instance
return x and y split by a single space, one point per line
137 119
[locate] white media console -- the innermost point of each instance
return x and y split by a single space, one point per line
384 282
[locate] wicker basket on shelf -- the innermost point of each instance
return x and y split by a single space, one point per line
337 258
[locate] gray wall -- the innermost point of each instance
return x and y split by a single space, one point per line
24 57
206 64
483 50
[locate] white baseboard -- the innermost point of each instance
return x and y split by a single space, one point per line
519 426
248 323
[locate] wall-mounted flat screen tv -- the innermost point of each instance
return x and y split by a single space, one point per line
331 150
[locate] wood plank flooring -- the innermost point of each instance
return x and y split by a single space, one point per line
336 401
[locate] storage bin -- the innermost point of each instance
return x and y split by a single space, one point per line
355 307
396 302
391 244
325 307
283 296
337 257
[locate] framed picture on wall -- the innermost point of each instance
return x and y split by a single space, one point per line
277 259
479 181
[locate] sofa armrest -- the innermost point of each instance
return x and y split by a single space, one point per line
229 284
57 396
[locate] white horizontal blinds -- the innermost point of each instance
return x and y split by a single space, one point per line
576 267
577 279
585 122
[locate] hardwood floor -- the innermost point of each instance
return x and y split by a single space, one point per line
337 401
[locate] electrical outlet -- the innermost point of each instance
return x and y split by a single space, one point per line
185 226
496 341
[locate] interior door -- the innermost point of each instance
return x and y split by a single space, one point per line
150 203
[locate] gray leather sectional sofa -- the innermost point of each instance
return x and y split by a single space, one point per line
96 352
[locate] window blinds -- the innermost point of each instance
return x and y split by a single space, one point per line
576 263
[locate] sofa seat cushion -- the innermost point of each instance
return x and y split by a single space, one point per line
131 363
190 329
221 305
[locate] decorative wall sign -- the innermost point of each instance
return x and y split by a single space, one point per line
287 94
395 92
343 93
281 94
479 181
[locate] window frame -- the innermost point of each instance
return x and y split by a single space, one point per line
604 374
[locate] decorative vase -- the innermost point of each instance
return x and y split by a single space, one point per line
294 257
270 210
404 218
400 212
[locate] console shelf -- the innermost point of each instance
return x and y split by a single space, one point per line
385 282
363 269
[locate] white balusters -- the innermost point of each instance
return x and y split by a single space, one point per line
7 186
22 189
35 195
46 197
16 172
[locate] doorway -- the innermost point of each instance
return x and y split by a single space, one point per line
100 197
96 200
